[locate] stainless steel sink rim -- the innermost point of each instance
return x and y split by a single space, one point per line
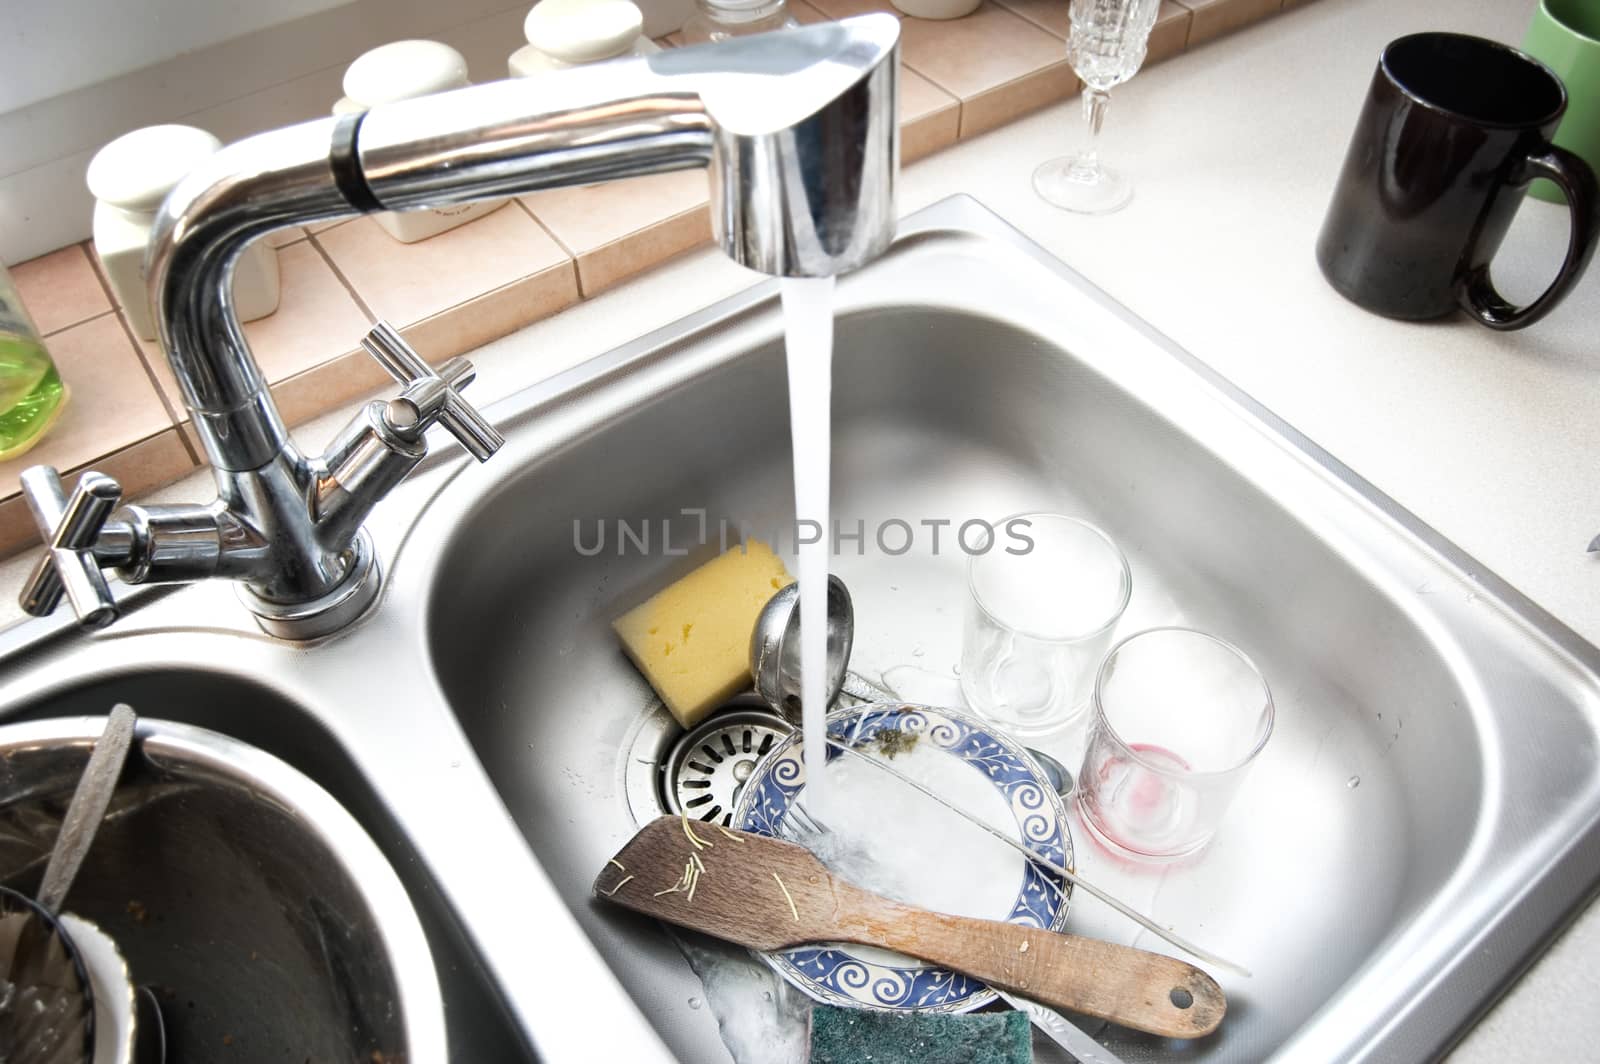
1412 1000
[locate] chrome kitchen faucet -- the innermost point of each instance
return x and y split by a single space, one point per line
797 129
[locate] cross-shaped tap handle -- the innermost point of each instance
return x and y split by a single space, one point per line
431 396
70 528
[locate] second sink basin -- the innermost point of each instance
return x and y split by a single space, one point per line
1435 748
263 919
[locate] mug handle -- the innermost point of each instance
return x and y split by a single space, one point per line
1576 180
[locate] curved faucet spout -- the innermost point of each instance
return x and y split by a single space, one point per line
798 129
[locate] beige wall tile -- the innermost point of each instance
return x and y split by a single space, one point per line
619 260
1213 18
111 402
920 97
846 8
932 133
1171 33
353 375
316 317
999 105
160 370
61 288
281 237
592 216
149 464
987 49
620 228
805 13
17 530
493 315
930 118
155 363
315 391
405 283
1048 15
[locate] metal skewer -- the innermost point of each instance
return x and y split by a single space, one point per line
1066 873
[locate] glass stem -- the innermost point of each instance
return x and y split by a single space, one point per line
1094 113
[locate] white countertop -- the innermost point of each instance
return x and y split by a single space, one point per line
1490 438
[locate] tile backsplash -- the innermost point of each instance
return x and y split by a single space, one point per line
534 256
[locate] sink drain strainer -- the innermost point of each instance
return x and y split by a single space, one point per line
707 768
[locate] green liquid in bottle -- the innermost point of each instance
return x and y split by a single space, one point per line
31 393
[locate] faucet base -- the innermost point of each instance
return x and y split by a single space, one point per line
328 613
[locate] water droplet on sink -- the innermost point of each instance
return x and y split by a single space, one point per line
956 669
917 652
694 1003
1353 782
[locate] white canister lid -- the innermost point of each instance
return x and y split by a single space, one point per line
583 31
138 169
403 70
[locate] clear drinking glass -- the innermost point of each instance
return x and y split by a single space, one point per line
1044 600
1179 716
1106 46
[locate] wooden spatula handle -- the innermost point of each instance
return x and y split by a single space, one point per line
1133 987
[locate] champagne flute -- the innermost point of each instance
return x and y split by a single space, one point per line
1105 47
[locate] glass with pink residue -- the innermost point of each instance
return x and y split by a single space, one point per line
1179 717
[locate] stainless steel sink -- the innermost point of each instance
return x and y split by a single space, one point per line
1425 817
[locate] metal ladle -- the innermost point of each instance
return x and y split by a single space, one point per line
775 663
775 647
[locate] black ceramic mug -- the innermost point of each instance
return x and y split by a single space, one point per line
1453 130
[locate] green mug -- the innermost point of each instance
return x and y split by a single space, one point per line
1565 36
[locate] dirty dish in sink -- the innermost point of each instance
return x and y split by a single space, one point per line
921 853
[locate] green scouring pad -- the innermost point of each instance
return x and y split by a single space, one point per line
855 1036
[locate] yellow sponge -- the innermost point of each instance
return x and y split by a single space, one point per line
692 640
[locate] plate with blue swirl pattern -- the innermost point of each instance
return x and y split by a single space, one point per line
885 836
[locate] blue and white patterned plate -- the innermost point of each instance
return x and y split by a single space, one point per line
863 977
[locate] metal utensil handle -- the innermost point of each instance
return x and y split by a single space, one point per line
1062 1031
458 416
88 807
1060 870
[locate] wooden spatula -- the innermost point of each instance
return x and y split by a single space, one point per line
769 894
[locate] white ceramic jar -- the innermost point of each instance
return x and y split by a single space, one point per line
405 70
564 33
130 177
938 9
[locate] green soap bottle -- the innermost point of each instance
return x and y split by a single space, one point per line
31 391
